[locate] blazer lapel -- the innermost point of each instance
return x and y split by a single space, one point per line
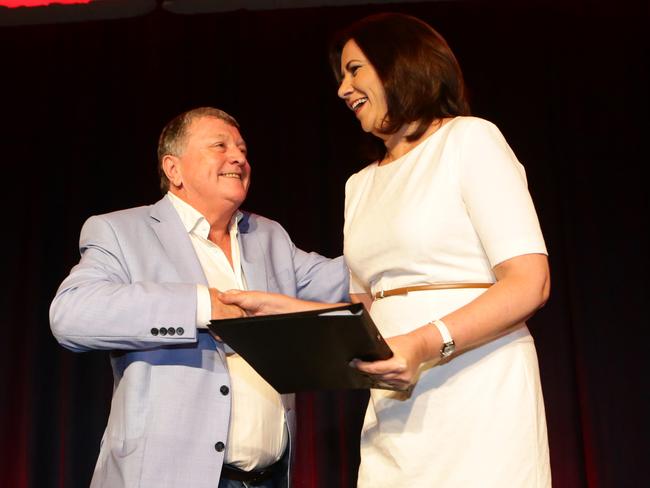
253 260
167 225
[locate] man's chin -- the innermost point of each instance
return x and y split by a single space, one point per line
236 200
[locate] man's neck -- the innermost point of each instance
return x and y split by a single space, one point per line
217 215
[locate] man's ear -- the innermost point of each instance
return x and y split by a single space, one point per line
172 168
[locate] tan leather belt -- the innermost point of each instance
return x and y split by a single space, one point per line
433 286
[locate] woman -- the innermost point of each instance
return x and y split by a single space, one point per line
445 250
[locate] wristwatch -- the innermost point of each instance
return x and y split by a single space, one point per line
448 344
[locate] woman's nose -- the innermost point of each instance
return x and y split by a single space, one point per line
345 88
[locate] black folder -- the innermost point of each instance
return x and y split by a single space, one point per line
308 351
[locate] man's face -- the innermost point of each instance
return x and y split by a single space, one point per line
213 168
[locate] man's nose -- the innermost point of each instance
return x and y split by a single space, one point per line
237 156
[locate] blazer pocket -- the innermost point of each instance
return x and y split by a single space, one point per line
116 468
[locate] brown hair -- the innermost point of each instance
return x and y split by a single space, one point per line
420 74
172 137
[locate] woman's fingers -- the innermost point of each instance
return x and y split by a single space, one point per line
401 369
392 373
254 302
394 366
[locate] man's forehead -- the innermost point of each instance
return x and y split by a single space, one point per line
210 125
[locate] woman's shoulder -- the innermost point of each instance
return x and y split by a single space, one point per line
362 173
476 131
471 122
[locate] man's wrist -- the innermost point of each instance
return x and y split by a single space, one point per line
203 306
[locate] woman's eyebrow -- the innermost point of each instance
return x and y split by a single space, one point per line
347 65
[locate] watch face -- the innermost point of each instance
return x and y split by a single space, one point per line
448 349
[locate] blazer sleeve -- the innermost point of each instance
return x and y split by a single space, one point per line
102 305
321 279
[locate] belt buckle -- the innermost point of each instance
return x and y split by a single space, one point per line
379 295
261 475
253 477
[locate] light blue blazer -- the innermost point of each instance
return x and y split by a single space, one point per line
171 404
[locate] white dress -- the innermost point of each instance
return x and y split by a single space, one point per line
448 211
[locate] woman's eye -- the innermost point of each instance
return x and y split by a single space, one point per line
354 70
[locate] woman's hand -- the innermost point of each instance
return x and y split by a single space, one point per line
222 310
400 371
265 303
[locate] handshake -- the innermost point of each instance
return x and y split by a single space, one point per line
238 303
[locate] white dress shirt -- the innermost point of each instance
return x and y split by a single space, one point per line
257 435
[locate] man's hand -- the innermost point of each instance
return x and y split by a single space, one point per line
221 310
267 303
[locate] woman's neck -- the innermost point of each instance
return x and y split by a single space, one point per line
397 144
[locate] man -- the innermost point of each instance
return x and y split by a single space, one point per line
187 411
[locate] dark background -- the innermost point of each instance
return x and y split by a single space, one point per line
82 104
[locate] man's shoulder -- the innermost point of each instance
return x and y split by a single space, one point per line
260 225
162 208
125 221
252 221
127 216
128 213
135 224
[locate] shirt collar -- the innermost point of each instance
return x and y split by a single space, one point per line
194 221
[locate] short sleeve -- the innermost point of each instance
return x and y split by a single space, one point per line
356 285
495 192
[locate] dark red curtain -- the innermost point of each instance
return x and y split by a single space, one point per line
82 104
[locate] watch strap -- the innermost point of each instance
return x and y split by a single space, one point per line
448 345
444 331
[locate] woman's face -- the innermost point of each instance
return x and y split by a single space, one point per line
362 89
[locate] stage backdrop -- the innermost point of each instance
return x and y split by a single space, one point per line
82 105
